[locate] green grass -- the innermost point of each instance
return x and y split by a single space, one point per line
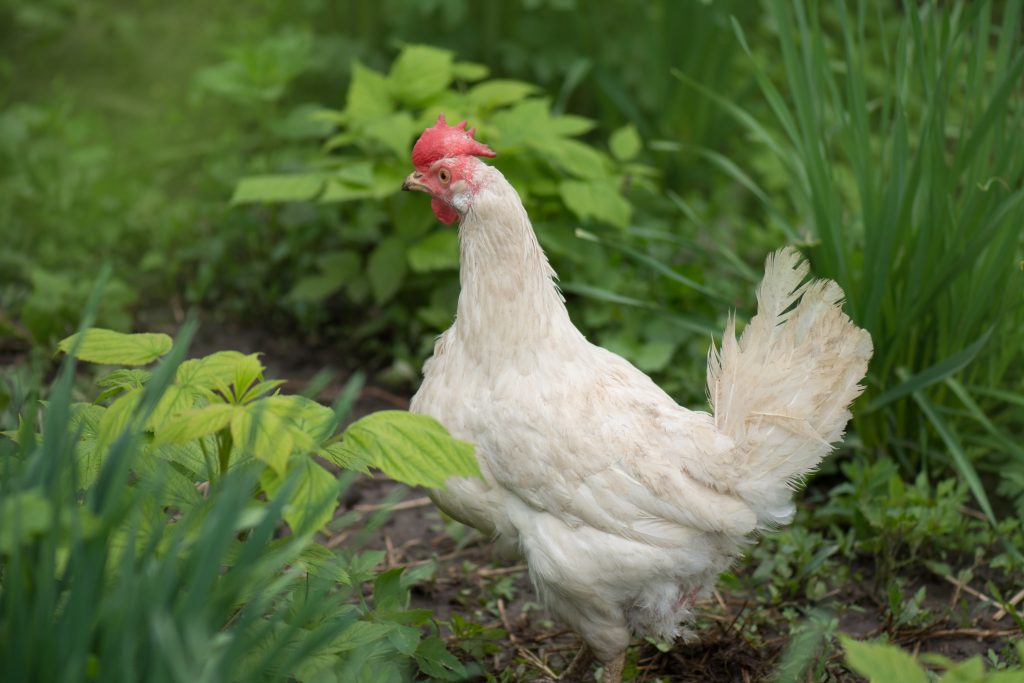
896 143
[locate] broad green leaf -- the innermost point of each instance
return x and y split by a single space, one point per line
437 251
625 143
23 515
122 380
596 200
115 418
299 187
881 663
345 458
218 369
420 73
369 96
388 592
395 131
413 449
313 498
569 125
107 347
498 92
386 269
435 660
263 434
195 424
315 423
574 157
175 399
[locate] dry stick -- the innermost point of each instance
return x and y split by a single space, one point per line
498 571
389 552
1012 603
393 507
967 589
536 662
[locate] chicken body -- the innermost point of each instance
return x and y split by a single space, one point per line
624 505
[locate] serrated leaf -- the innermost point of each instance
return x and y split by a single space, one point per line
437 251
312 499
596 200
115 418
107 347
625 143
299 187
881 663
218 369
395 132
388 592
262 434
313 423
344 458
194 424
420 73
413 449
386 269
434 660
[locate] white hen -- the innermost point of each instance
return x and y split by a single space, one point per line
624 505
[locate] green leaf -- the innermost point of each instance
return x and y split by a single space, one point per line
121 380
115 418
107 347
263 434
218 369
596 200
395 132
470 71
386 269
420 73
437 251
413 449
499 92
345 458
388 593
573 157
369 96
313 497
435 660
298 187
194 424
625 143
317 423
881 663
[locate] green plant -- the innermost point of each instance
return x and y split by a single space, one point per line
113 565
897 143
218 412
883 663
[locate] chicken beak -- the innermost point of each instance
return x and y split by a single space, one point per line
413 183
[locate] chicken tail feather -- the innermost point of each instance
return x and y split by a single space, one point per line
783 390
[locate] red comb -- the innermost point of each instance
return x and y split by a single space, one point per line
442 141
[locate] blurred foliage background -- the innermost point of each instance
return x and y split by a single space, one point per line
243 160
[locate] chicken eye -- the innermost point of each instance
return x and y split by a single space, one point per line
444 176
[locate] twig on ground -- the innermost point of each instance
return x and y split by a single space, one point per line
394 507
967 589
1012 602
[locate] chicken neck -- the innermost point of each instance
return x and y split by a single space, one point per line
509 299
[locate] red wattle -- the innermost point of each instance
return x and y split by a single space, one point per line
444 212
